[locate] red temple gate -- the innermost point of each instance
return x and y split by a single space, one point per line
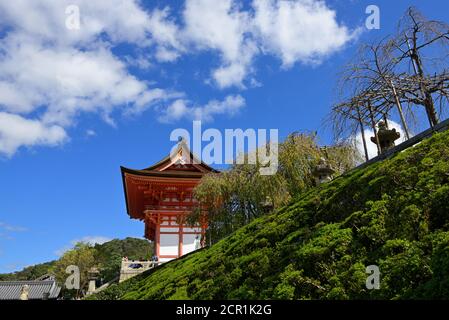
162 197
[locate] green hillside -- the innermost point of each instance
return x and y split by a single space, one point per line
107 255
393 214
28 273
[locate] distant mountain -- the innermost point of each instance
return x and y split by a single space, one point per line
28 273
108 255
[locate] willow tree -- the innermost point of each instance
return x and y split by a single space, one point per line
236 196
419 50
394 76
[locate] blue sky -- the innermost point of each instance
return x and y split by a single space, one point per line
76 105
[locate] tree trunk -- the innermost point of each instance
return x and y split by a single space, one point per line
428 100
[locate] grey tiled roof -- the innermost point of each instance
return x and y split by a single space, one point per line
11 290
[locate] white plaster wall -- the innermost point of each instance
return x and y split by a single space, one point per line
165 259
169 229
188 243
168 244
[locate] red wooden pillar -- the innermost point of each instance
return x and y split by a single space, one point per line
180 238
158 236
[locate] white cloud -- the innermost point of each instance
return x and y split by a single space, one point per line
216 25
165 55
66 80
7 231
16 131
165 34
303 30
91 240
12 267
231 105
50 74
57 83
149 98
233 73
221 26
175 111
139 61
181 108
46 19
90 133
10 228
370 146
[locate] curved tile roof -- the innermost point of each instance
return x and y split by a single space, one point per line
11 290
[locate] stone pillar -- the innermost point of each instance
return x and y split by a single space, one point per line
91 288
93 276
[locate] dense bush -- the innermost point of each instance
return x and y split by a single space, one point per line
393 214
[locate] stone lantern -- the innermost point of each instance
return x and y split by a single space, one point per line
323 172
93 276
386 137
267 204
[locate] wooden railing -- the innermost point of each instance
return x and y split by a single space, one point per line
138 265
131 268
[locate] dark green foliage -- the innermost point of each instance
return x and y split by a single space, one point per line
107 256
28 273
393 214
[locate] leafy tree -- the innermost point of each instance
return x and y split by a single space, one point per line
109 255
235 197
82 256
